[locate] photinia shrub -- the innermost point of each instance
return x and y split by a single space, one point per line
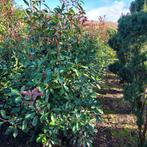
47 85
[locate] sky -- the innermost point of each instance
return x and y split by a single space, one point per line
111 9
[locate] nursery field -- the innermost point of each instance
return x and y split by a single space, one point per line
66 81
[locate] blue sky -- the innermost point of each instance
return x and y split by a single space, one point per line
113 9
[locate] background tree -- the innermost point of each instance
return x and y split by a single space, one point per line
137 6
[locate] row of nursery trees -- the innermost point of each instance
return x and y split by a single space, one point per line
130 44
49 68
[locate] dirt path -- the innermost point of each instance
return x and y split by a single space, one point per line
118 128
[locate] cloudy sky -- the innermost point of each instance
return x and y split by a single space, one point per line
112 9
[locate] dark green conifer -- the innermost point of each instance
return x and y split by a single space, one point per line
130 44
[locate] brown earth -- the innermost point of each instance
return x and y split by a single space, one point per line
118 128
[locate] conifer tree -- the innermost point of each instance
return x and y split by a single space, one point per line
130 44
137 6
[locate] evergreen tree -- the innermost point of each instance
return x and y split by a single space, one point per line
137 6
130 44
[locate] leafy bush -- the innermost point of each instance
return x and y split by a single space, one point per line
47 84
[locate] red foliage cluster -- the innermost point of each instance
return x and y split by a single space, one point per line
34 93
100 27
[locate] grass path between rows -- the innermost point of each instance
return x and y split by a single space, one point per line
118 128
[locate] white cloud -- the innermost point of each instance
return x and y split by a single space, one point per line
112 12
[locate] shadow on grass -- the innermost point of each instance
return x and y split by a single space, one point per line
115 137
114 105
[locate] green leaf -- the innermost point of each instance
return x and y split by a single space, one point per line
1 123
100 111
53 122
15 92
48 79
18 100
3 113
89 144
29 116
94 95
76 71
35 121
63 6
52 117
15 133
41 139
38 140
24 125
44 140
74 129
22 88
47 6
26 2
66 88
7 90
77 126
9 130
61 80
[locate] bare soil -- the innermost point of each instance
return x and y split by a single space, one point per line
118 127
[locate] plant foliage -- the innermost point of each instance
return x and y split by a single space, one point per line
48 69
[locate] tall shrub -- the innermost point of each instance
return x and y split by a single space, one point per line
47 86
